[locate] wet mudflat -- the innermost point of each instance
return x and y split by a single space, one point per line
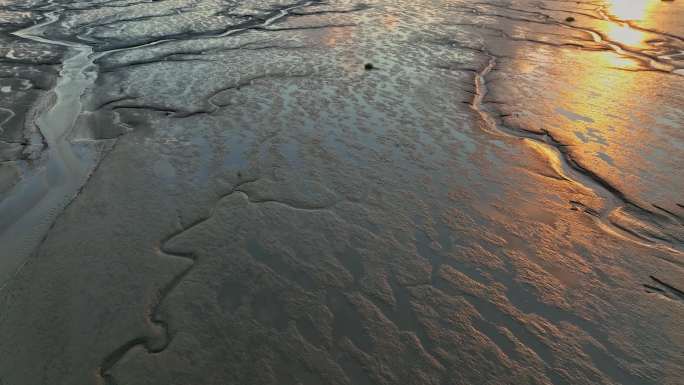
224 192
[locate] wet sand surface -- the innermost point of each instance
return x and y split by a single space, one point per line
225 192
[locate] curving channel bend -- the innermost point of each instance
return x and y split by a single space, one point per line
29 211
619 216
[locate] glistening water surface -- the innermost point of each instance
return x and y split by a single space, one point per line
34 203
344 192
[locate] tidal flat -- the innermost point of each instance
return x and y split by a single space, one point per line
274 192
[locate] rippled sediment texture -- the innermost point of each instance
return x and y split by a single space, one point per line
235 199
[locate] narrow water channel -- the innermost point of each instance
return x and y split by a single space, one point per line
29 211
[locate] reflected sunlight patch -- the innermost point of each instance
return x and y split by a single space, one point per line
632 9
625 35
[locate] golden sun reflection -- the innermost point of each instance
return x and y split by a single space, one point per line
632 9
335 36
390 22
585 98
625 35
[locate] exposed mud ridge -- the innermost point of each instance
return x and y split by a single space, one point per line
260 23
616 204
213 107
665 289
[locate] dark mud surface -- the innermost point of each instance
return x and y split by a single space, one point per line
341 192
